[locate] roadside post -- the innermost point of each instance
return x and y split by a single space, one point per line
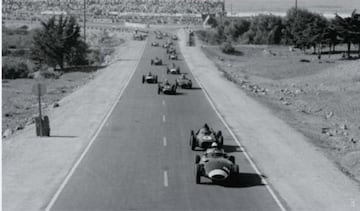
42 124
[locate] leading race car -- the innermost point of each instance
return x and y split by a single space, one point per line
167 88
150 78
156 61
215 164
174 37
173 69
183 82
204 137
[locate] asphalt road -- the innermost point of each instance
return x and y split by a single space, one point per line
141 159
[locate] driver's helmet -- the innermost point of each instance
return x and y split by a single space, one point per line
166 81
150 74
173 64
214 145
183 76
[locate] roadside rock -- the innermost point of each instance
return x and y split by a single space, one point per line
7 133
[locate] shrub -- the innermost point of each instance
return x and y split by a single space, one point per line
14 68
227 48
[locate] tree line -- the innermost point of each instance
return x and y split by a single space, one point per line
300 27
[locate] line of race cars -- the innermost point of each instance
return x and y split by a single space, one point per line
166 87
214 164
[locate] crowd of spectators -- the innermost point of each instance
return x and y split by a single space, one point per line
153 11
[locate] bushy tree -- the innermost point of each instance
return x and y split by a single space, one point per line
265 29
349 30
59 43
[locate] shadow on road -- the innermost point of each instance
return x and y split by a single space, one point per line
231 148
241 180
57 136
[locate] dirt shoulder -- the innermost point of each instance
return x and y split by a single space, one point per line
33 167
301 175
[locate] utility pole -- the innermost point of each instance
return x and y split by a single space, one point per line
85 20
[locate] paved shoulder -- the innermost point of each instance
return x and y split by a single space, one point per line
34 167
303 177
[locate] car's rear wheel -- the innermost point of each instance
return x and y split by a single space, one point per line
197 159
193 143
159 90
237 171
221 141
198 173
232 159
156 79
143 79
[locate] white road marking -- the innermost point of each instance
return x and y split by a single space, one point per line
77 163
166 183
268 187
163 102
164 141
164 118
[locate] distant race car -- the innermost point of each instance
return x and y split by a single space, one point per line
159 36
156 61
204 137
216 165
167 44
173 56
173 69
166 88
183 82
155 44
174 37
138 36
150 78
170 50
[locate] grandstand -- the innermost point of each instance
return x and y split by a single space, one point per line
140 11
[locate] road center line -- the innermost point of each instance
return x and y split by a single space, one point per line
164 119
165 141
166 184
163 102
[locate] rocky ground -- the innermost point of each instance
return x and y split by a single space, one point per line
20 106
318 97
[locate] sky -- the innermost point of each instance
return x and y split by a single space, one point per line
320 6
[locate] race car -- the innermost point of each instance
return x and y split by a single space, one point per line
173 69
156 61
173 56
167 44
170 50
159 36
215 164
155 44
174 37
150 78
183 82
167 88
204 137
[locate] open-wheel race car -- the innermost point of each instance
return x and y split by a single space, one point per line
150 78
174 37
171 50
204 137
183 82
215 164
173 56
156 61
155 44
173 69
167 88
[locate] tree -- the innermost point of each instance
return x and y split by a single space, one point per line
349 30
58 43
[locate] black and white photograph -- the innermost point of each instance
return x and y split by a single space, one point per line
177 105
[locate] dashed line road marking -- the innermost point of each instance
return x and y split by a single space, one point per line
166 182
164 141
164 118
163 102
